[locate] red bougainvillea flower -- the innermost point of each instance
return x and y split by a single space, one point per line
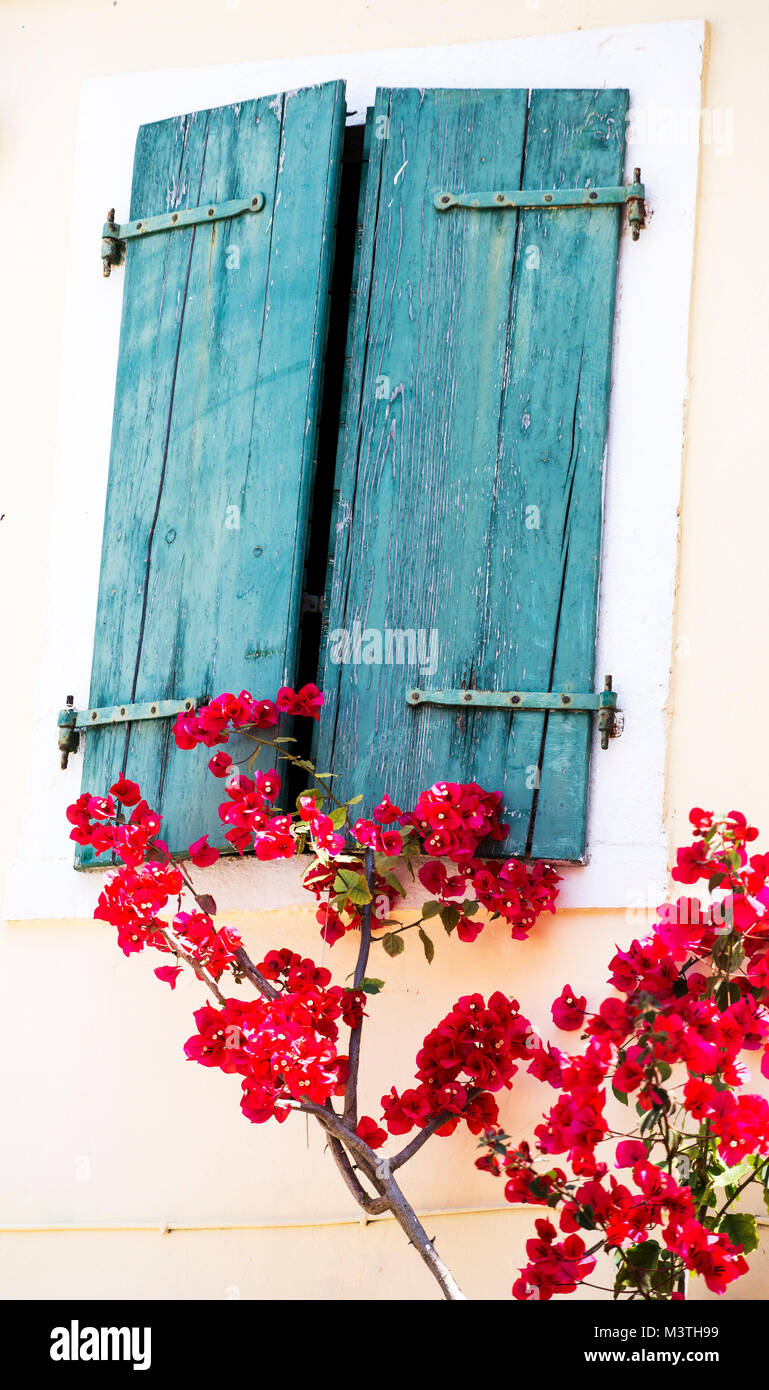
220 765
211 723
370 1132
469 928
168 974
453 818
268 784
307 701
127 792
202 854
283 1048
389 842
629 1151
386 813
516 891
471 1053
264 714
556 1267
332 926
568 1011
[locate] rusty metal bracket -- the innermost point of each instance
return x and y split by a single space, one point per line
565 702
115 236
72 721
633 195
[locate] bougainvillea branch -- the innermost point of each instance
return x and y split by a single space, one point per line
283 1044
688 1000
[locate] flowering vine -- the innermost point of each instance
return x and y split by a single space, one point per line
296 1045
689 998
658 1196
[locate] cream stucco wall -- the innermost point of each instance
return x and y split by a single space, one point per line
106 1128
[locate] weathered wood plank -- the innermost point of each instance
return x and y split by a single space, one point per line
213 435
422 422
494 333
560 378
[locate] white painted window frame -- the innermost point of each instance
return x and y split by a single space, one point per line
661 64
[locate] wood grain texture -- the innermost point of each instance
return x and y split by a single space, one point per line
214 426
493 331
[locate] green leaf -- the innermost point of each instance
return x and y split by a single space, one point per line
735 1175
338 817
643 1256
354 800
722 995
715 881
370 985
354 887
392 879
722 949
470 907
431 909
650 1118
393 944
621 1095
428 945
449 917
741 1229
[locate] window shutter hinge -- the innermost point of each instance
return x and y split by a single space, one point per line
553 701
72 722
632 195
114 235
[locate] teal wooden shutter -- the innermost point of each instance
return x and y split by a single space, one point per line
213 439
470 481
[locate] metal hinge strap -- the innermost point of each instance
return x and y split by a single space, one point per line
71 721
604 701
115 236
632 194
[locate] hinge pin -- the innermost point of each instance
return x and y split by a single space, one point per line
636 207
69 738
112 249
606 720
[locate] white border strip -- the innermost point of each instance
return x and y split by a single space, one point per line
662 65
